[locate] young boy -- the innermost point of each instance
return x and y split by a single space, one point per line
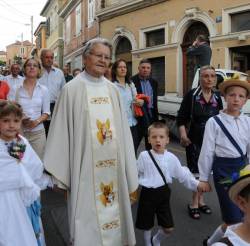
225 147
155 193
239 193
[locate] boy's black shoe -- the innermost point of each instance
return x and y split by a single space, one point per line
205 241
152 241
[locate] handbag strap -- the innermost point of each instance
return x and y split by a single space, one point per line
226 241
229 136
157 166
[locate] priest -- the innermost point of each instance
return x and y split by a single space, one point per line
90 154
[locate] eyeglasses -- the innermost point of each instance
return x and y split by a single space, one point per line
101 56
32 65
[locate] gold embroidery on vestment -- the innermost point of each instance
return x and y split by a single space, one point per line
108 196
104 133
106 163
112 225
99 100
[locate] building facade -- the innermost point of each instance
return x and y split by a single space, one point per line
79 26
18 52
3 56
40 42
54 28
162 30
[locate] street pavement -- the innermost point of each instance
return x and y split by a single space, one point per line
188 232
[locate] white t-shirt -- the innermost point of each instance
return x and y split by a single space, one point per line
171 167
216 143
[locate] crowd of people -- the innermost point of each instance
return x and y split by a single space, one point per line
87 150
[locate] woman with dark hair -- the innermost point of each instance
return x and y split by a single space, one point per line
197 107
128 93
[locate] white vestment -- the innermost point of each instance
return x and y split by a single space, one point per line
69 158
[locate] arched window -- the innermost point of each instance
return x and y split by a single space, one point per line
124 46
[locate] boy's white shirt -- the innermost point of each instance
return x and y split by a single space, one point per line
233 237
215 143
171 167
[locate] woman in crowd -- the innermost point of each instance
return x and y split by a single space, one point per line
197 107
128 92
34 99
76 71
108 73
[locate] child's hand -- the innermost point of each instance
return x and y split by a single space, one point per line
203 186
61 191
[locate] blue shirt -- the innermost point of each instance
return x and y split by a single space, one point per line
128 93
148 91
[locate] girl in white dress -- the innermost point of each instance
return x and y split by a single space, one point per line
21 179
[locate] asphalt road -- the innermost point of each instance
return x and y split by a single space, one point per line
188 232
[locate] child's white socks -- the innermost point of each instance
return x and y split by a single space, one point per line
147 238
159 236
216 236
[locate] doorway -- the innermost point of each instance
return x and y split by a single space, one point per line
189 63
123 51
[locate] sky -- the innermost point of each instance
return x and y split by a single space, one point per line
15 20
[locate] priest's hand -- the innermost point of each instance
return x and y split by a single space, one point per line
133 197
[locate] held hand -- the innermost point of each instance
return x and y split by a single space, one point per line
133 197
61 191
139 102
29 124
185 141
204 187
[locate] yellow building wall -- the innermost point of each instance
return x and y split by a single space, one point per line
163 13
43 32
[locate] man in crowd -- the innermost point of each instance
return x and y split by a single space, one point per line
67 75
14 80
145 84
201 50
90 153
52 78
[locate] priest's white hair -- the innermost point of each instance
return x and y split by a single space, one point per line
89 45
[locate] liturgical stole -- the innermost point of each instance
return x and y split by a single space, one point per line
104 145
